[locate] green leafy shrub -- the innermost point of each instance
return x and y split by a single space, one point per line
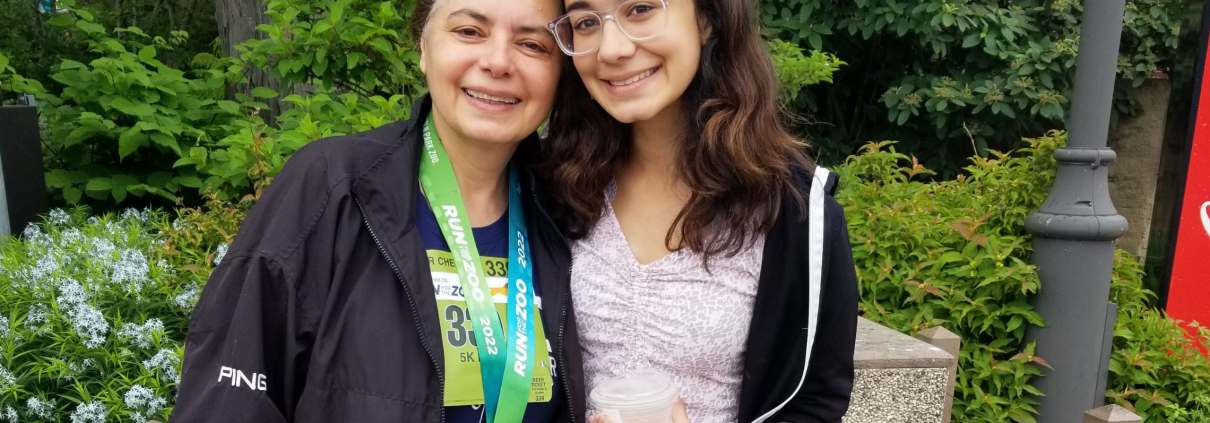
94 311
954 254
1158 368
128 124
939 73
12 84
357 46
125 118
91 324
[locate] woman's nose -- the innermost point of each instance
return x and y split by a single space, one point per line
615 45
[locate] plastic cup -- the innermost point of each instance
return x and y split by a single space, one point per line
644 396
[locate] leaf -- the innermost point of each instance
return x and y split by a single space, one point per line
90 27
147 53
99 184
72 195
262 92
61 20
129 141
229 106
354 59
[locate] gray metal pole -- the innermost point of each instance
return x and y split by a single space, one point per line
1075 229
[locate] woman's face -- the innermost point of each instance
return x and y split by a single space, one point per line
637 80
491 67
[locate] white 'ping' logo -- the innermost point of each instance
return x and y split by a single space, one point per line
1206 217
256 383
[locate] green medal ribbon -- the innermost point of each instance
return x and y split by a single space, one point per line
506 366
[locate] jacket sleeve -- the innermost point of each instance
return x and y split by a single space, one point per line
250 335
247 347
824 396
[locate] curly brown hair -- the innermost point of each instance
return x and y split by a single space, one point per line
735 154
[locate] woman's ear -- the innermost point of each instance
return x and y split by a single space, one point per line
704 29
421 44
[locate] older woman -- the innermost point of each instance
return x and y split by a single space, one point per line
341 299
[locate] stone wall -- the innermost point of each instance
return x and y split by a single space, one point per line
1132 179
899 379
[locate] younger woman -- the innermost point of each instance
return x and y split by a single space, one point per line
706 243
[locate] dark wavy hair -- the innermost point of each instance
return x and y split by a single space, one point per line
735 154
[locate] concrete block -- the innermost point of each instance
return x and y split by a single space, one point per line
1111 414
899 379
942 338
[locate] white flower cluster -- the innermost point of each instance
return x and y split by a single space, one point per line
188 296
86 320
143 334
59 217
6 378
80 368
167 362
91 412
143 403
34 237
36 321
130 271
10 414
40 407
220 253
3 327
132 214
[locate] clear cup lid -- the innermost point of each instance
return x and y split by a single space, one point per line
636 389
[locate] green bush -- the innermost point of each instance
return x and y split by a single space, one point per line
357 46
956 253
12 83
943 74
94 311
1158 369
124 118
91 323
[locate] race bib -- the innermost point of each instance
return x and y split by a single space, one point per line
463 383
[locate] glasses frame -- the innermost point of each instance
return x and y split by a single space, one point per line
604 17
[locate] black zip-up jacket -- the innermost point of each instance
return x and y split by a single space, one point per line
323 309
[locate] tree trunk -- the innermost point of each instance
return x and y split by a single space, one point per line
237 21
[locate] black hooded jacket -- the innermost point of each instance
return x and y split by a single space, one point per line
323 308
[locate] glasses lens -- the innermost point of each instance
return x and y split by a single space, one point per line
579 32
642 19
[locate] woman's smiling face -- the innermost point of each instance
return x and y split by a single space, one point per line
491 67
637 80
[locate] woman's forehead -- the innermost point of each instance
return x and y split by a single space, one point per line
492 10
574 5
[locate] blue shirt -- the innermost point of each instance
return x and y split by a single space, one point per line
492 241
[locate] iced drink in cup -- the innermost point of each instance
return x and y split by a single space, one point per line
644 396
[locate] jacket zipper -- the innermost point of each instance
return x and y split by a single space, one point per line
411 302
566 297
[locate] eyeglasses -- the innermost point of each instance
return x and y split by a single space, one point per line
581 32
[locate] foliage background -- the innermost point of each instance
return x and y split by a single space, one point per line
951 77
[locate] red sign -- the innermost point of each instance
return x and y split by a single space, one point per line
1189 286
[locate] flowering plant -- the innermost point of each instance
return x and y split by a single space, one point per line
93 314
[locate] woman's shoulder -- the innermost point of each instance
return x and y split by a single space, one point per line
350 154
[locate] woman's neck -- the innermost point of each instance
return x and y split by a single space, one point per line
482 172
655 147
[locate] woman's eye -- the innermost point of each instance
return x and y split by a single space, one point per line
536 47
640 10
468 32
586 24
